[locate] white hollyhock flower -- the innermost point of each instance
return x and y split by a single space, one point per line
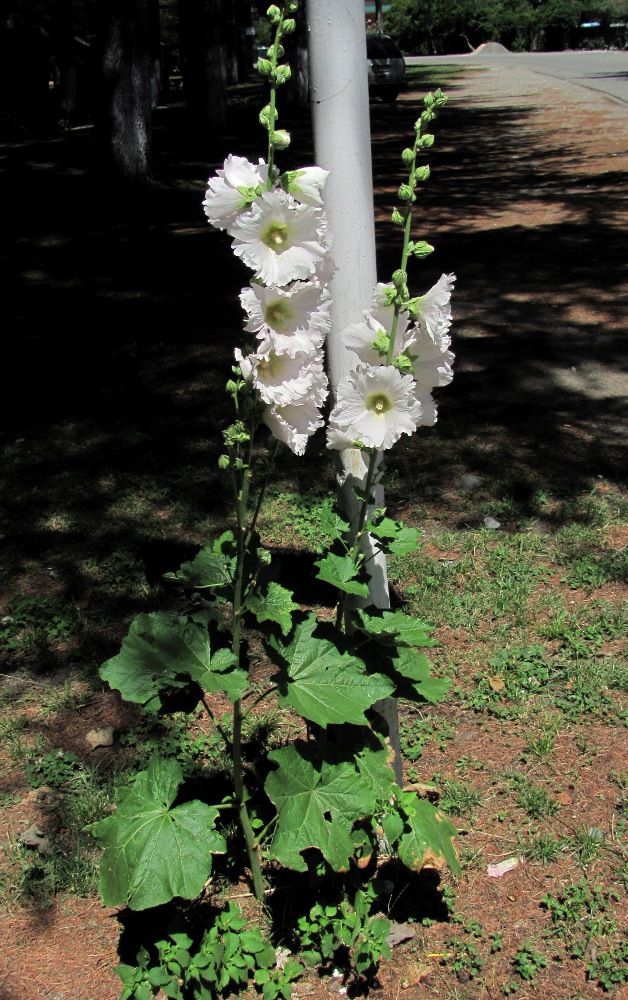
434 310
306 184
369 339
281 379
294 424
383 294
430 365
374 406
279 239
290 320
232 190
428 408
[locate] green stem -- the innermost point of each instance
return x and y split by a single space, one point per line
242 494
356 554
272 104
262 492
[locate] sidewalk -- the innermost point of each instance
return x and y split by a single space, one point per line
531 213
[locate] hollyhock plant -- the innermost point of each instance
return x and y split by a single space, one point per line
280 239
432 311
281 379
332 675
233 190
370 338
291 320
294 423
374 406
305 185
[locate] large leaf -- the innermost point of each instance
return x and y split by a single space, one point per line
341 572
154 851
395 628
428 840
317 804
325 683
275 605
212 567
395 537
410 672
163 652
332 523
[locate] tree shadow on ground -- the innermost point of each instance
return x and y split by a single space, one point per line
121 314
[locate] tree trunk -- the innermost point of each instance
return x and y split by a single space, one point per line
125 118
204 64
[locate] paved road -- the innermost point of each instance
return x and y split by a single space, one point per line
606 72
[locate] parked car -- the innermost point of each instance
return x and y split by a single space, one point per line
386 67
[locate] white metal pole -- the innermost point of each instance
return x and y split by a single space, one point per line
342 143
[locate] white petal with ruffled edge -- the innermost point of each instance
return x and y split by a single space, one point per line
375 406
224 203
280 240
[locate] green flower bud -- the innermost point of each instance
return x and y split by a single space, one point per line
421 249
399 216
428 100
264 116
274 14
289 25
264 67
293 6
403 364
282 74
426 141
223 462
405 192
232 386
399 279
280 139
408 157
422 173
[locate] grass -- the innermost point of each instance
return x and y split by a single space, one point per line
525 753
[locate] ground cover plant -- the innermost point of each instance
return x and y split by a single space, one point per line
527 754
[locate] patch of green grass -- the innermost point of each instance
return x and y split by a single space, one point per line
535 799
542 847
459 797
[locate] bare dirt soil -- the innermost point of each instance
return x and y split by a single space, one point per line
527 204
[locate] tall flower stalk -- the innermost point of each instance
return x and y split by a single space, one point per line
320 802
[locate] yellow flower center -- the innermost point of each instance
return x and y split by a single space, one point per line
379 403
278 314
268 368
275 236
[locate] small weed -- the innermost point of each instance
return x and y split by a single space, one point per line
536 800
417 733
527 961
610 968
346 934
542 746
38 621
459 797
542 847
580 914
587 843
55 769
588 572
497 942
463 958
